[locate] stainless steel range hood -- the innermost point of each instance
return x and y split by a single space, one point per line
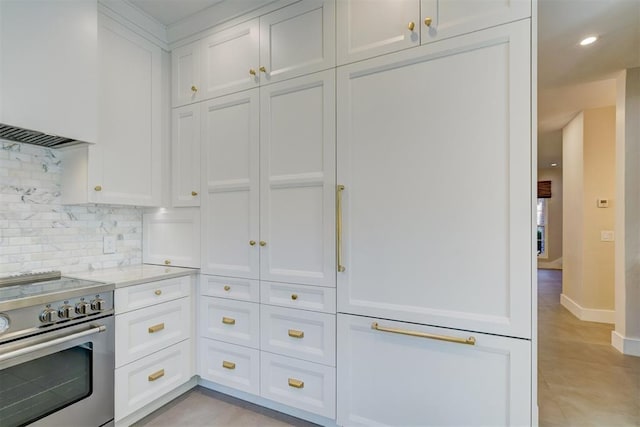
17 134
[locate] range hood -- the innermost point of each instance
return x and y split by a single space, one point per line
14 133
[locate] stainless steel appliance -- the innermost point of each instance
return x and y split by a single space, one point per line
56 351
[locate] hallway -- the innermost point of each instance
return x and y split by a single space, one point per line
582 379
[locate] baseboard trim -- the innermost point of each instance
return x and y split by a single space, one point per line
587 314
625 345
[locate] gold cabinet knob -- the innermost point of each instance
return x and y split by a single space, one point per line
227 288
194 193
263 69
411 26
252 242
167 262
428 21
194 88
252 71
294 296
158 292
98 188
263 243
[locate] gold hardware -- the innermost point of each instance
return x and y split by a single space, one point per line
228 365
294 296
296 383
340 189
156 375
227 287
252 242
263 69
228 321
411 26
296 334
263 243
428 21
156 328
158 292
252 71
194 89
469 341
98 188
194 193
167 262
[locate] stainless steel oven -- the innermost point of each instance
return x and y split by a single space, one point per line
57 360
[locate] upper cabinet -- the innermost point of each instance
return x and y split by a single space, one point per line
185 156
290 42
370 28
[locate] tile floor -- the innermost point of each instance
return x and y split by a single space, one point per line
582 379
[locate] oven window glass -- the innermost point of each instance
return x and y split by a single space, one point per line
39 387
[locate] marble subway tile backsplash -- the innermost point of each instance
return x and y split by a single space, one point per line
38 233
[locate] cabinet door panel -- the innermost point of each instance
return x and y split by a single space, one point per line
185 156
172 237
227 57
230 205
392 379
185 67
446 237
451 18
298 39
368 28
298 179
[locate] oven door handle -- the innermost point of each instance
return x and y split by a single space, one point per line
95 329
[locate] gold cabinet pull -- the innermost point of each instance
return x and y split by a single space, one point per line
294 296
252 71
98 188
156 375
263 243
194 88
263 69
167 262
194 193
156 328
252 242
228 321
227 288
339 190
428 21
158 292
469 341
411 26
296 334
228 365
296 383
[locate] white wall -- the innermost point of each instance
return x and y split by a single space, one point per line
38 233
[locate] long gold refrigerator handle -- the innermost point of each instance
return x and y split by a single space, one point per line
339 190
469 341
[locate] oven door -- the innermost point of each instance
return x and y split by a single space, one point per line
62 377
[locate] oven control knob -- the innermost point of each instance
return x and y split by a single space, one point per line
97 304
4 323
47 315
83 307
65 312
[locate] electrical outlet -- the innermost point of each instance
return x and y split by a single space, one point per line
109 245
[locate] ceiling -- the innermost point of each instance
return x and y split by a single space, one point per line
168 12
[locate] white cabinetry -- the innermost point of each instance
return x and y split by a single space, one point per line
172 237
185 156
185 74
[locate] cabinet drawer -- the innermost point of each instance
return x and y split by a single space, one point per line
235 322
146 294
297 383
142 332
230 365
301 334
299 296
224 287
145 380
388 378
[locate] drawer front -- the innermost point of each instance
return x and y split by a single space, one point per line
142 332
225 287
299 296
147 294
230 365
145 380
296 333
388 378
304 385
235 322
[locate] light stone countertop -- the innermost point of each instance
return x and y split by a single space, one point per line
134 274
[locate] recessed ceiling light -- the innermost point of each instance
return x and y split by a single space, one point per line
553 165
588 40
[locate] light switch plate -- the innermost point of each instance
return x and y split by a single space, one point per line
607 236
109 245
